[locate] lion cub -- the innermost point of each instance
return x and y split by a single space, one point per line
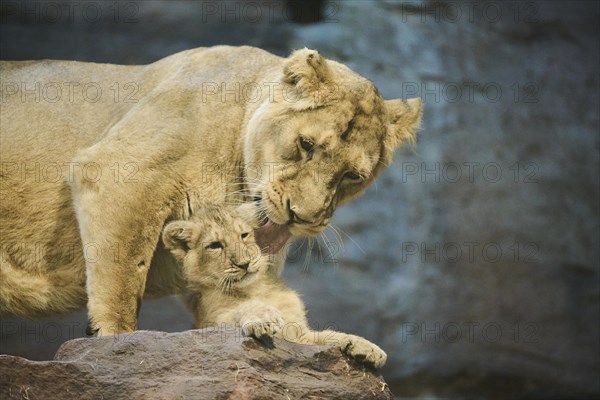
221 263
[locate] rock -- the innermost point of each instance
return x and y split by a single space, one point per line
196 364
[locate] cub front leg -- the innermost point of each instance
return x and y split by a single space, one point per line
256 318
355 346
263 321
120 224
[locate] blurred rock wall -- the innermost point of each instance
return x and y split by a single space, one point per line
473 261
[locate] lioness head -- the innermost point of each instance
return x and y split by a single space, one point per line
216 248
321 139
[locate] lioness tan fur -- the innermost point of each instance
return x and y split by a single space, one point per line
90 177
222 265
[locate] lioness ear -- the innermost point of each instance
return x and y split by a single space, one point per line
404 118
308 72
179 235
249 213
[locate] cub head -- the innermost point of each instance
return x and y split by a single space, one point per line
216 247
320 140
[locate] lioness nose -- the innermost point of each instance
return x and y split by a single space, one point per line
243 266
294 217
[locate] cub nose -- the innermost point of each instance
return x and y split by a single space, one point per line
243 266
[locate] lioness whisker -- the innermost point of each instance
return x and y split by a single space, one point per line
325 240
337 235
308 256
353 241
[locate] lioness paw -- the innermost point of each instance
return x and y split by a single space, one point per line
363 350
264 322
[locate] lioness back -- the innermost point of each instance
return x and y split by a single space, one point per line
50 111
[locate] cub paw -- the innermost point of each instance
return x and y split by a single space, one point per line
363 350
264 322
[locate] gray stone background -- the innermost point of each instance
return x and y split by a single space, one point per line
474 260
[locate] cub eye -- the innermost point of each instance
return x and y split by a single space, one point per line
352 176
245 235
214 245
307 145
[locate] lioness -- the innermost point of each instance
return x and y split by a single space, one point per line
89 178
221 263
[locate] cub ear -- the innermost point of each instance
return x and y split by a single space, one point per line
178 236
309 73
249 213
404 118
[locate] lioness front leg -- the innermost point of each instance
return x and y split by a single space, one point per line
118 243
120 223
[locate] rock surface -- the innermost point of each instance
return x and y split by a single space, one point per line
199 364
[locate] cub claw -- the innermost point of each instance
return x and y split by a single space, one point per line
361 349
266 322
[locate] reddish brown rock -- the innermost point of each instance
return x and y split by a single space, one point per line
199 364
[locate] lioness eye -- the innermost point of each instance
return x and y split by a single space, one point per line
307 145
353 176
245 235
214 245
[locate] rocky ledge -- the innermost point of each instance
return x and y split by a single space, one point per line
197 364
